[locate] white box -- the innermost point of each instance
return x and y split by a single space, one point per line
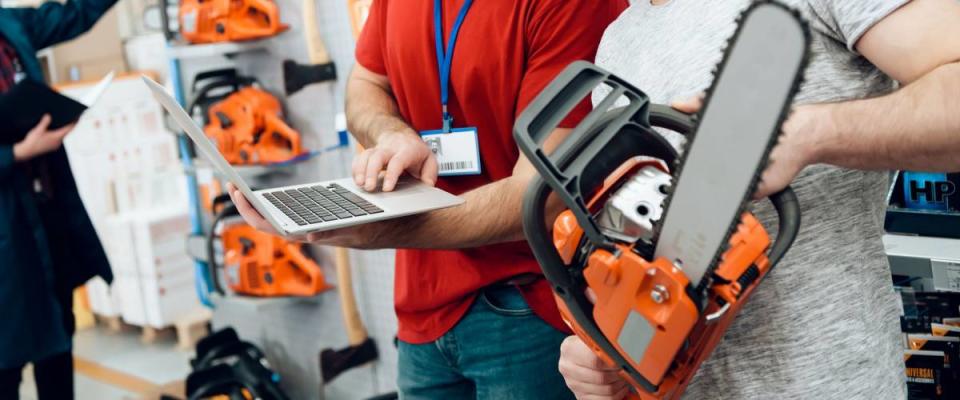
132 308
166 301
935 261
102 297
116 236
165 271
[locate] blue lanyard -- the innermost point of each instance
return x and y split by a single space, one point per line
445 59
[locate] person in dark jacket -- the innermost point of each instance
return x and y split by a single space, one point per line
47 244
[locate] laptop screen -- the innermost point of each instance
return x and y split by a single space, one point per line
207 149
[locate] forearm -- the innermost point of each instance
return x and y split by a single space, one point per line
371 110
914 128
491 214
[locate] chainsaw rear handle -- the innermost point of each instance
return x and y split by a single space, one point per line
600 144
214 82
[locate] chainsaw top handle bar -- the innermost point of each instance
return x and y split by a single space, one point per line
606 138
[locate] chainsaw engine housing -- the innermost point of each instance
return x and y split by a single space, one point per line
260 264
210 21
248 129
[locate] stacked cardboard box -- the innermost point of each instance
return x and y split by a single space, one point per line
128 172
154 277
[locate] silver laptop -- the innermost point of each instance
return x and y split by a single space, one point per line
314 207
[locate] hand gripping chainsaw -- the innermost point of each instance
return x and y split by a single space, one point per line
662 241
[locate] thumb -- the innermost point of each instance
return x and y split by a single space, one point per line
42 125
61 133
690 105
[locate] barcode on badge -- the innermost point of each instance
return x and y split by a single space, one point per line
455 165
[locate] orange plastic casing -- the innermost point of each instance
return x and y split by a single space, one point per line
209 21
622 281
260 264
253 132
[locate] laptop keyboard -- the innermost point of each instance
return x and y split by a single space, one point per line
317 204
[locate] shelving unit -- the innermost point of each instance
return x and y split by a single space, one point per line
293 331
935 261
185 51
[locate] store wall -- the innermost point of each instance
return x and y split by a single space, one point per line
293 332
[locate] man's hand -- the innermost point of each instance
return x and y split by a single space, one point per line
589 377
399 152
250 215
794 151
40 140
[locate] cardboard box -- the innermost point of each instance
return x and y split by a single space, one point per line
93 54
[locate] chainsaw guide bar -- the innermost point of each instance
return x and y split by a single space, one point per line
738 126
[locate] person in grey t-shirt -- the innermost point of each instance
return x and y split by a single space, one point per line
824 324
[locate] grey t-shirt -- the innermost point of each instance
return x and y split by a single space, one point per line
824 324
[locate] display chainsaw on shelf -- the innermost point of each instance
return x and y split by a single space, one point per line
260 264
656 253
245 121
212 21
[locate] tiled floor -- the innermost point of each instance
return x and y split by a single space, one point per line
117 366
86 388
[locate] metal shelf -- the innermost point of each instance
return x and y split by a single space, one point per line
249 172
252 304
935 261
922 247
181 51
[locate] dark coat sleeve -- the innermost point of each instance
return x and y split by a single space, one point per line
54 22
6 163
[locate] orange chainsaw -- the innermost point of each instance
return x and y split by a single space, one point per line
655 253
260 264
248 128
210 21
244 121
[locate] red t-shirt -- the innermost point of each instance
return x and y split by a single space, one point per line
506 53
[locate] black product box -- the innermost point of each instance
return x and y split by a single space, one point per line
950 346
921 309
924 204
924 370
945 330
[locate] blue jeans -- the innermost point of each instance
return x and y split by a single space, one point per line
499 350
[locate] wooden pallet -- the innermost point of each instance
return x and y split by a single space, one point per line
188 330
113 323
193 327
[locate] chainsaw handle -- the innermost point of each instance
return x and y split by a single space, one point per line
788 212
664 116
226 74
607 137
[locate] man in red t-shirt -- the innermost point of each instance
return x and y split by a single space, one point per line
476 317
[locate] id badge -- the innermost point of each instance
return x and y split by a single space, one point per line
457 152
